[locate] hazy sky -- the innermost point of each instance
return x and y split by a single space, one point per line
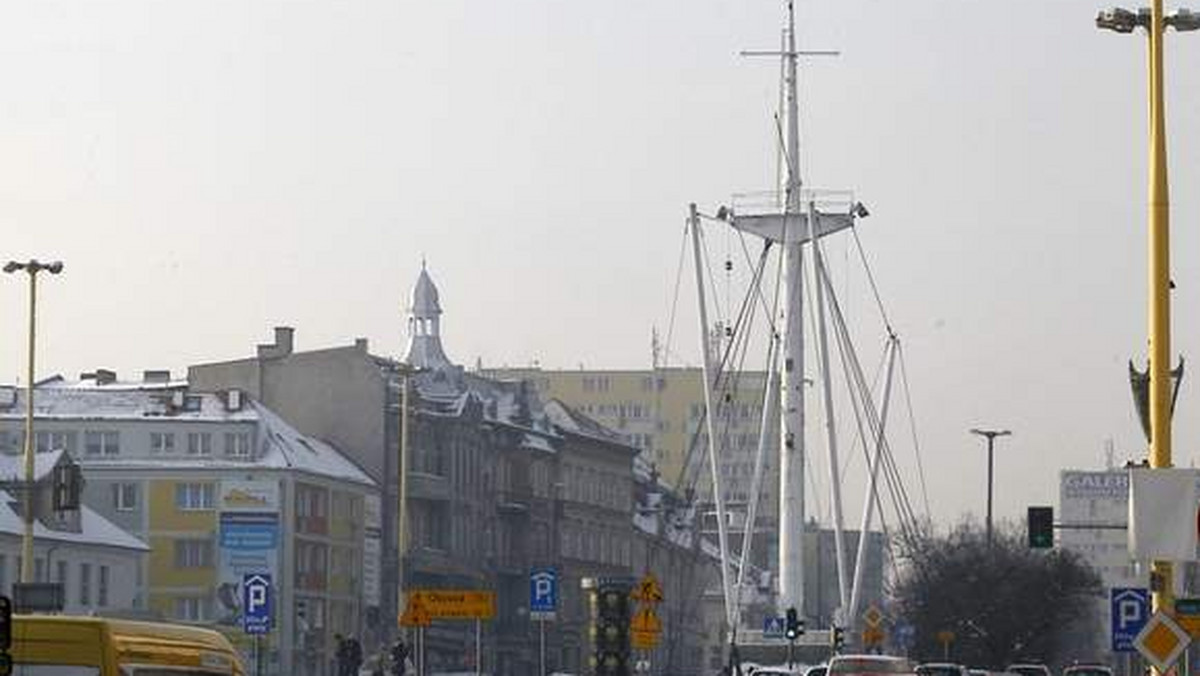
208 170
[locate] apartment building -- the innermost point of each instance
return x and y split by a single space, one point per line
219 486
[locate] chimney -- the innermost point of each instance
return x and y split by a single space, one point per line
154 377
360 344
282 346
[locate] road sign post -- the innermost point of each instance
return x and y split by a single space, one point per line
543 605
1130 608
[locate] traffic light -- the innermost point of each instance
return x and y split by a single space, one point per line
837 639
68 484
6 609
795 626
610 630
1041 527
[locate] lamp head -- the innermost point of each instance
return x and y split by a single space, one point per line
1119 20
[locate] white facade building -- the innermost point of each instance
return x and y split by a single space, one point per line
1093 513
101 566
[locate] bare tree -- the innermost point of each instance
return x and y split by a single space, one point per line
1003 603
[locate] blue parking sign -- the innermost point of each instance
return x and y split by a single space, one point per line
543 593
1130 612
256 603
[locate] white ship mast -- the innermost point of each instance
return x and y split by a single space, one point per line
807 215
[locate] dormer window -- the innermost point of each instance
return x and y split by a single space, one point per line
237 444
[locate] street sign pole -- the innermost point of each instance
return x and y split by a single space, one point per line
542 646
478 647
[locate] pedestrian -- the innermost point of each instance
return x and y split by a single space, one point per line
354 656
340 656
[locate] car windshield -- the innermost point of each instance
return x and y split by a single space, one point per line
939 670
1027 670
870 665
1088 671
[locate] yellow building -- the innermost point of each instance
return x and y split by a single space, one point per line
220 488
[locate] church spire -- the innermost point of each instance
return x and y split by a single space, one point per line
424 330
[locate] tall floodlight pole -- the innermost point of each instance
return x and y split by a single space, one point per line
990 435
1155 23
792 229
33 267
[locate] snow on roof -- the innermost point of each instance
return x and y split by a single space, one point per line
94 529
574 421
283 446
287 448
66 401
12 467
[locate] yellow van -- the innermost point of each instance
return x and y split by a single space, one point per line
59 645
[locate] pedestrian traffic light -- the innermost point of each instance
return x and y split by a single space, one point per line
837 639
794 628
610 630
1041 527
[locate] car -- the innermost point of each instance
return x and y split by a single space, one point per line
1029 669
1088 670
869 665
941 669
817 670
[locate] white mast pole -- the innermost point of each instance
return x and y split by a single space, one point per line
756 481
710 415
869 509
791 447
835 476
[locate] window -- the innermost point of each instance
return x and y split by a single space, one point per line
51 440
199 443
85 584
39 570
162 442
237 444
193 496
102 591
190 609
62 574
193 553
125 497
101 443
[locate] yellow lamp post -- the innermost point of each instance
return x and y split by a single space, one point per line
33 267
1155 23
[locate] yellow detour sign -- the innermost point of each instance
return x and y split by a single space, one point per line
648 590
415 613
872 616
1161 641
643 640
456 604
872 636
646 620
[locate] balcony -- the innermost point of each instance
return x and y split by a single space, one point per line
514 503
423 486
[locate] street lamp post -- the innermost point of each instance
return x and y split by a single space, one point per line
991 439
1155 24
33 267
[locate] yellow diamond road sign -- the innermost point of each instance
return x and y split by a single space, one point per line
1161 641
872 616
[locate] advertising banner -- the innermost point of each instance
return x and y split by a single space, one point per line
372 550
248 540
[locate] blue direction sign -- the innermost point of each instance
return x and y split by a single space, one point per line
1130 611
256 603
773 627
543 593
